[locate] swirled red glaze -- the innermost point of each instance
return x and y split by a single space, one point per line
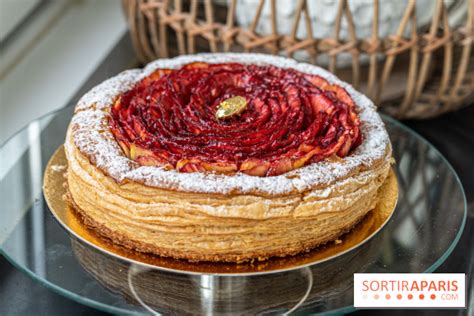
292 119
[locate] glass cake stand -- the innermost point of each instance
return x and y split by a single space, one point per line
424 229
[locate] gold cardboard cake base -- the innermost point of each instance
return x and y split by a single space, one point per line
373 222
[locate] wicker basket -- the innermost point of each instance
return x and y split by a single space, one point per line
414 72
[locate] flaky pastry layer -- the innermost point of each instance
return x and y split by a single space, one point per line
215 227
160 212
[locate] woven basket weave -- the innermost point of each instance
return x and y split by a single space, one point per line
412 73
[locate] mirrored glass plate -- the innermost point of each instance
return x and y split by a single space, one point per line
424 229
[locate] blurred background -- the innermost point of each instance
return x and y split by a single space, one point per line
48 51
412 57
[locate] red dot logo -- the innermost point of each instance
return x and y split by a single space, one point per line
410 296
422 296
399 296
387 296
433 296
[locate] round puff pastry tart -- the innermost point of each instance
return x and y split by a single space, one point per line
225 157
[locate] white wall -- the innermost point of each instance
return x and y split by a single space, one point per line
57 61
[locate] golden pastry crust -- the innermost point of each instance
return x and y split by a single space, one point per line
130 243
212 217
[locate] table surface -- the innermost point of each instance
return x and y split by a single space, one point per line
452 134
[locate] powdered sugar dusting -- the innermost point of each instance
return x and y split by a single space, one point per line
104 94
93 137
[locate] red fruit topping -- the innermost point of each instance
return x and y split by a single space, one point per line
290 119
